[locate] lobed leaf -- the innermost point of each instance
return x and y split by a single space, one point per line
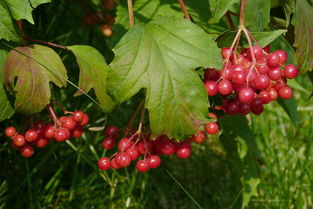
28 72
257 14
7 29
161 57
93 74
219 8
303 35
6 110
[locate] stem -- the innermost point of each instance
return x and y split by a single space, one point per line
242 13
183 7
130 125
237 38
53 115
251 52
44 42
130 13
256 41
141 119
230 21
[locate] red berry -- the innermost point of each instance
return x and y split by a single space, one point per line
31 135
273 60
133 153
61 134
49 131
19 140
154 161
275 74
263 69
27 151
285 92
227 73
183 152
257 106
114 164
258 53
239 77
122 159
108 143
226 52
231 108
104 163
273 94
10 131
267 48
211 128
244 108
291 71
212 115
167 147
225 87
78 115
77 132
67 122
124 143
261 82
283 56
84 121
265 97
238 68
246 95
211 88
211 74
111 131
142 166
42 142
145 147
198 137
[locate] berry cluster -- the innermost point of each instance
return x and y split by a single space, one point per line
131 148
250 79
41 134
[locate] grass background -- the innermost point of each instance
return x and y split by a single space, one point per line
65 175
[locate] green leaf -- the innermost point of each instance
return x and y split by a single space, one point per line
290 107
161 57
303 35
146 10
287 6
22 9
219 8
264 38
6 110
257 14
28 72
93 74
7 29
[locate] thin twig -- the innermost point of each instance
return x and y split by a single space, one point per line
230 21
242 13
44 42
183 7
130 13
130 125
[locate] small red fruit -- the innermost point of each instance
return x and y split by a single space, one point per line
198 137
183 152
27 151
10 131
108 143
211 128
142 166
122 159
19 140
124 143
104 163
112 131
154 161
78 115
31 135
61 134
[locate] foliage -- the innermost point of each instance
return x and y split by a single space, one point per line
256 162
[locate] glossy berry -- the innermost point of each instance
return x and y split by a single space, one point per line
27 151
226 52
42 142
154 161
67 122
85 120
273 94
257 106
211 128
167 147
283 56
258 53
224 87
142 166
263 69
145 147
244 108
291 71
111 131
273 60
183 152
246 95
265 97
19 140
114 164
227 73
212 115
133 153
108 143
231 108
49 131
31 135
104 163
261 82
124 143
239 77
61 134
275 74
10 131
285 92
211 74
199 137
211 88
78 115
122 159
77 132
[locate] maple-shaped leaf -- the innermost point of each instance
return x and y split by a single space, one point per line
93 74
7 29
28 72
161 56
303 35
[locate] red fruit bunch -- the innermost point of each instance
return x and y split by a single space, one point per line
250 79
40 134
149 150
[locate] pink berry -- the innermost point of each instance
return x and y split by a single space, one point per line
263 69
239 77
142 166
275 74
283 56
261 82
273 94
226 52
273 60
104 163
